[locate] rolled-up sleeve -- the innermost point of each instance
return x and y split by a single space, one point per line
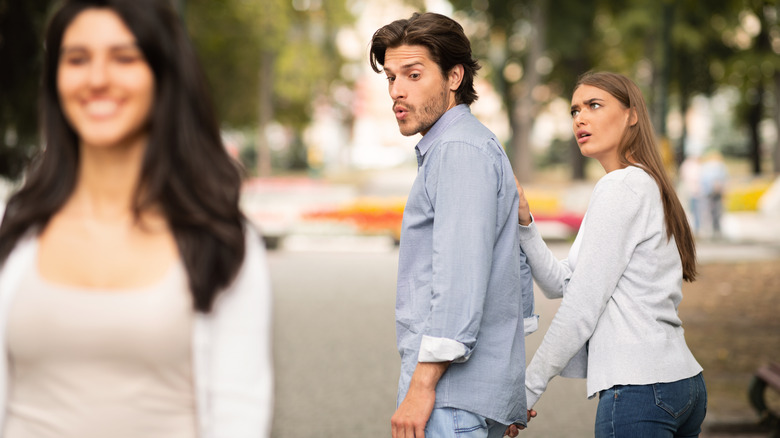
465 184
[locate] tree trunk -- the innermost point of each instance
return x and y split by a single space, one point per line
685 99
524 109
265 112
681 149
776 155
753 119
662 84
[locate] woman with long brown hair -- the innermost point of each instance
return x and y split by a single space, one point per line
134 295
621 284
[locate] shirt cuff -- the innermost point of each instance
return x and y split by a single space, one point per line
531 398
529 225
442 350
527 232
530 324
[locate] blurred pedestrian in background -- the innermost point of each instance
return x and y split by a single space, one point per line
465 293
622 281
713 184
690 187
134 295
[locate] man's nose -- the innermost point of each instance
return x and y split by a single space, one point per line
397 90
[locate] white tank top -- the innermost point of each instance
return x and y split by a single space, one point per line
101 363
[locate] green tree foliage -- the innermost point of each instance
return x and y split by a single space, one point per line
21 53
269 61
707 45
674 50
536 49
229 37
753 34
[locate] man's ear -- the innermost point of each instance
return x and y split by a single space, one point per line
455 77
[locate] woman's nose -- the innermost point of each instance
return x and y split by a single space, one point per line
579 119
98 73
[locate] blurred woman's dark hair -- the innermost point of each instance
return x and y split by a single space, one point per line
186 171
444 39
638 145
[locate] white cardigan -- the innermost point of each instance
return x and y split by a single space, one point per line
619 295
231 346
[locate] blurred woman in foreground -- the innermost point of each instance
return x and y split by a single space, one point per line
134 295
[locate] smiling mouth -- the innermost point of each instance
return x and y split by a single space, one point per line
101 108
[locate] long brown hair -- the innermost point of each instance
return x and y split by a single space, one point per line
638 146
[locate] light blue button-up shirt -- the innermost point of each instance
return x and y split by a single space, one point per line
465 292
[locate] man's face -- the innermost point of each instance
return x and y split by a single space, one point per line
420 92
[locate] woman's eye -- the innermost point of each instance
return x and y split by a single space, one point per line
574 113
127 56
75 60
415 75
126 59
595 105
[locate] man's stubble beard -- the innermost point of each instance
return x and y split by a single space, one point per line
429 113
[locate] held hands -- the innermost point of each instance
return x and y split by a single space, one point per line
514 429
523 210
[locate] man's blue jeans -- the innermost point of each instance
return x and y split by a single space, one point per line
456 423
660 410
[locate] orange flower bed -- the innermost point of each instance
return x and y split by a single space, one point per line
377 216
372 216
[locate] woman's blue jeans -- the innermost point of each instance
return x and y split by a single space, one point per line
660 410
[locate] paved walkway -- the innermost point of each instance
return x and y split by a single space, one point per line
564 411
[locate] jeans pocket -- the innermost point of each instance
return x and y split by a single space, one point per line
456 422
467 423
675 397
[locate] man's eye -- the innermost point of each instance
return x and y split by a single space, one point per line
415 75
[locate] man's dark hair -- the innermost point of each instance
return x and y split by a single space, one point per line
444 39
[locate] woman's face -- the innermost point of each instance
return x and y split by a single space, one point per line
105 85
599 121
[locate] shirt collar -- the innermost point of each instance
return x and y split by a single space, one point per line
439 127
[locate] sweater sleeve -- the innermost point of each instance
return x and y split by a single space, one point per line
240 377
549 273
612 232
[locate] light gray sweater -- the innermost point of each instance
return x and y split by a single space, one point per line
621 286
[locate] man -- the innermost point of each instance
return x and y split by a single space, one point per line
464 288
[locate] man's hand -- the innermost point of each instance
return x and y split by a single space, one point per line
412 415
514 429
523 210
